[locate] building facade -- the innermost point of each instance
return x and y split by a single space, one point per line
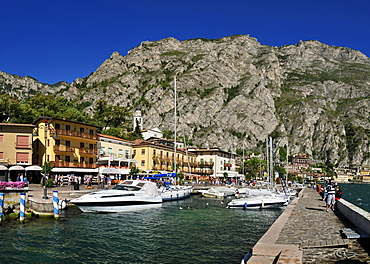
15 149
153 156
70 147
216 163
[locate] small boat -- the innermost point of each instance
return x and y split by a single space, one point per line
175 192
258 202
129 195
218 192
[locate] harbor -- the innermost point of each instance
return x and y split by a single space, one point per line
303 232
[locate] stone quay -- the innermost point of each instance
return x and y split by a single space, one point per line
306 233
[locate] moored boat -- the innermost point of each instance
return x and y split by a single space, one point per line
258 202
127 196
176 192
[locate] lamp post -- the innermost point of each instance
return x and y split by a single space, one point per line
45 196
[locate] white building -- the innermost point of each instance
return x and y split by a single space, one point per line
216 162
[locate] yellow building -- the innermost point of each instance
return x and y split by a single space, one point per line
15 149
70 147
115 156
159 157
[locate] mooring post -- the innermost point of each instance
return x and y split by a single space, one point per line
22 207
1 206
56 205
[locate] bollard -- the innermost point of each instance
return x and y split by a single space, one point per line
56 205
22 207
1 206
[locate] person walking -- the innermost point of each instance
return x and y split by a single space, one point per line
330 197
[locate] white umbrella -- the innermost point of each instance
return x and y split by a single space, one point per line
16 168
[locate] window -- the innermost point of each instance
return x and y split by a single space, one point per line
143 152
143 163
82 130
57 142
211 160
23 142
82 145
102 150
110 151
22 157
68 143
1 138
1 155
127 153
120 152
68 158
68 127
154 152
82 159
91 146
57 126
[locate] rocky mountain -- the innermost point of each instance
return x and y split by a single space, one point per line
234 92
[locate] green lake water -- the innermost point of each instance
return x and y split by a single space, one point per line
195 230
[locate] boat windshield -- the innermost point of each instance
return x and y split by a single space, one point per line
126 188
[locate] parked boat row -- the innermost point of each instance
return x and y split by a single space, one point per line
130 195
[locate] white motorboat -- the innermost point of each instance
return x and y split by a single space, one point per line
218 192
175 192
258 202
127 196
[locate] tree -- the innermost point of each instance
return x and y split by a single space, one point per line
254 167
134 171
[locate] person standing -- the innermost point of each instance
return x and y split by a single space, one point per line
330 197
338 194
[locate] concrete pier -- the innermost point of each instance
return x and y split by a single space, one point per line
306 233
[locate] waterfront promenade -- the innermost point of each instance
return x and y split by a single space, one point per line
306 233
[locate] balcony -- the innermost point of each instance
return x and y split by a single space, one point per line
63 148
88 151
205 164
70 133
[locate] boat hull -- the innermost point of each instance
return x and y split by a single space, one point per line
128 196
257 203
175 194
117 208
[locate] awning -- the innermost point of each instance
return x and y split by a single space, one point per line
33 168
16 168
171 174
110 171
3 168
74 170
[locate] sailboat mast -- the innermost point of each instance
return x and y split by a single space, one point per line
287 164
267 160
175 170
271 164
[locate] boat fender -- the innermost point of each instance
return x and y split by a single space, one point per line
62 204
245 205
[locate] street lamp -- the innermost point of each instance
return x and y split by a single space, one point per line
46 127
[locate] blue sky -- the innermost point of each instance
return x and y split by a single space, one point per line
63 40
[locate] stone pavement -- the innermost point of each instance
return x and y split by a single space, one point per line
317 233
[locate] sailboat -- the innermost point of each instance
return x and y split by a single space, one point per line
170 192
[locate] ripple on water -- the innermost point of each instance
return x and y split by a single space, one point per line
203 231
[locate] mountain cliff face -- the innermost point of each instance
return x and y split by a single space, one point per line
233 92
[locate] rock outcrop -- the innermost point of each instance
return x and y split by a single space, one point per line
233 92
